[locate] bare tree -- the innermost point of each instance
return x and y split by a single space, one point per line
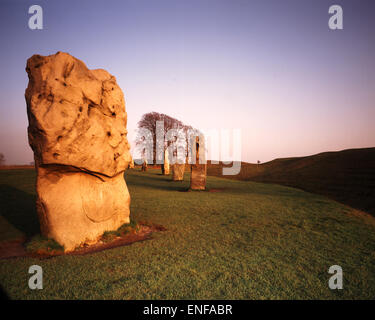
2 159
149 120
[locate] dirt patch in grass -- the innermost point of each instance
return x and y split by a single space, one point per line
19 248
13 248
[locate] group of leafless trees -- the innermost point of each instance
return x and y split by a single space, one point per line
2 159
171 131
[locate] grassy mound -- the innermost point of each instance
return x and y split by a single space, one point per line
125 229
346 176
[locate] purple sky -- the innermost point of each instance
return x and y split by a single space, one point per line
271 68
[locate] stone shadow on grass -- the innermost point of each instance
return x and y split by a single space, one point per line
18 208
156 181
165 185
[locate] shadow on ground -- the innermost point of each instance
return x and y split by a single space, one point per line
18 208
155 180
3 295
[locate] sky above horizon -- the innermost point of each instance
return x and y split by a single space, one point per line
272 69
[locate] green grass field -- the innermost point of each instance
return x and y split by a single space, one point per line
249 241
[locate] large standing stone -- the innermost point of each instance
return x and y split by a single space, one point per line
199 168
77 130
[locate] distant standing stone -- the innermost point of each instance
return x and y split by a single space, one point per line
199 169
144 165
178 170
165 165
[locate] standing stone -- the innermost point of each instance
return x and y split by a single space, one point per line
199 168
165 165
77 130
144 165
178 170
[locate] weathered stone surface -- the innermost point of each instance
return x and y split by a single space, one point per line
131 164
77 130
178 171
199 169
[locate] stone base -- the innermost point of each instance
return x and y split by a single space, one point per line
76 207
165 169
198 177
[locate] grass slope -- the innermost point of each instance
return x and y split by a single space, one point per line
346 176
250 241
